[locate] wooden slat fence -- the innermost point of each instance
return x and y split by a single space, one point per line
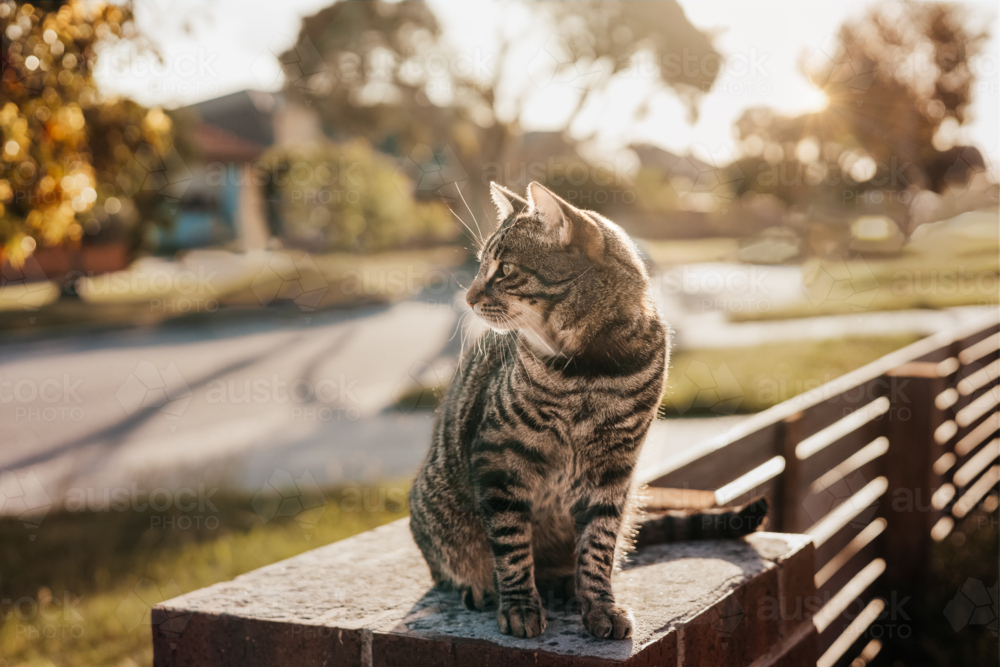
874 465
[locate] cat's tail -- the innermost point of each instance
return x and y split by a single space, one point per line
710 524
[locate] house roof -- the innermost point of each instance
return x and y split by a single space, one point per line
670 163
217 144
247 115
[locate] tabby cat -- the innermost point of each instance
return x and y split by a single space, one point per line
528 482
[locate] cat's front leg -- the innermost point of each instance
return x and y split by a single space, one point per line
506 510
598 520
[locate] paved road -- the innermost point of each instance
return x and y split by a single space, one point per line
222 401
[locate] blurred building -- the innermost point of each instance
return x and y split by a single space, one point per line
671 164
224 204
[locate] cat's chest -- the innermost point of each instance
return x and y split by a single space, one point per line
554 494
564 417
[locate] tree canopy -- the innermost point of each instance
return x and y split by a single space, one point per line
70 160
384 70
899 81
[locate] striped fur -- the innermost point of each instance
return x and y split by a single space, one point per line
528 482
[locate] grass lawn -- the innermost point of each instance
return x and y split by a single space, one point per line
80 592
837 286
738 379
751 379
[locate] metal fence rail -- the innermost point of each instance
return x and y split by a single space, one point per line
873 465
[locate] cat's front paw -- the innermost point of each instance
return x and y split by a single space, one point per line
609 621
521 618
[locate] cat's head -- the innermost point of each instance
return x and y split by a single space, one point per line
554 272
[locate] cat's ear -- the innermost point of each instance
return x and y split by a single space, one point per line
507 202
567 224
549 209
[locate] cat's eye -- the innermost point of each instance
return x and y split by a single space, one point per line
506 268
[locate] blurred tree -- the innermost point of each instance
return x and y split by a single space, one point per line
898 83
383 70
69 159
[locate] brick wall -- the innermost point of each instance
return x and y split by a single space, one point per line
368 601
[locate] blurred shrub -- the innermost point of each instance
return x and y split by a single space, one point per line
349 197
653 191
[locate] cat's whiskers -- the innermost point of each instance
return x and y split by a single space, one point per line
513 352
458 327
503 357
459 331
473 215
481 341
463 328
569 360
582 274
478 239
493 226
512 324
538 328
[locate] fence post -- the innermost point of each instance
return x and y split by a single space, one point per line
788 507
910 425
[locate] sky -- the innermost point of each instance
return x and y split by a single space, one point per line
218 47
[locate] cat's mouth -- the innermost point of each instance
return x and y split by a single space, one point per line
496 316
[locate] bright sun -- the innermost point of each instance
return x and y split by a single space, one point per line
815 99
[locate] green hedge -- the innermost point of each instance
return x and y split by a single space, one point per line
349 197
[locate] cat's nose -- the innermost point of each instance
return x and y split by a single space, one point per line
473 296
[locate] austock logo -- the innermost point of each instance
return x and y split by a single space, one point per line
555 64
839 280
705 184
419 389
433 172
285 496
723 618
22 496
733 289
149 387
701 387
287 278
46 617
49 400
25 287
194 505
185 64
300 63
136 609
838 500
148 171
837 63
972 177
974 604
